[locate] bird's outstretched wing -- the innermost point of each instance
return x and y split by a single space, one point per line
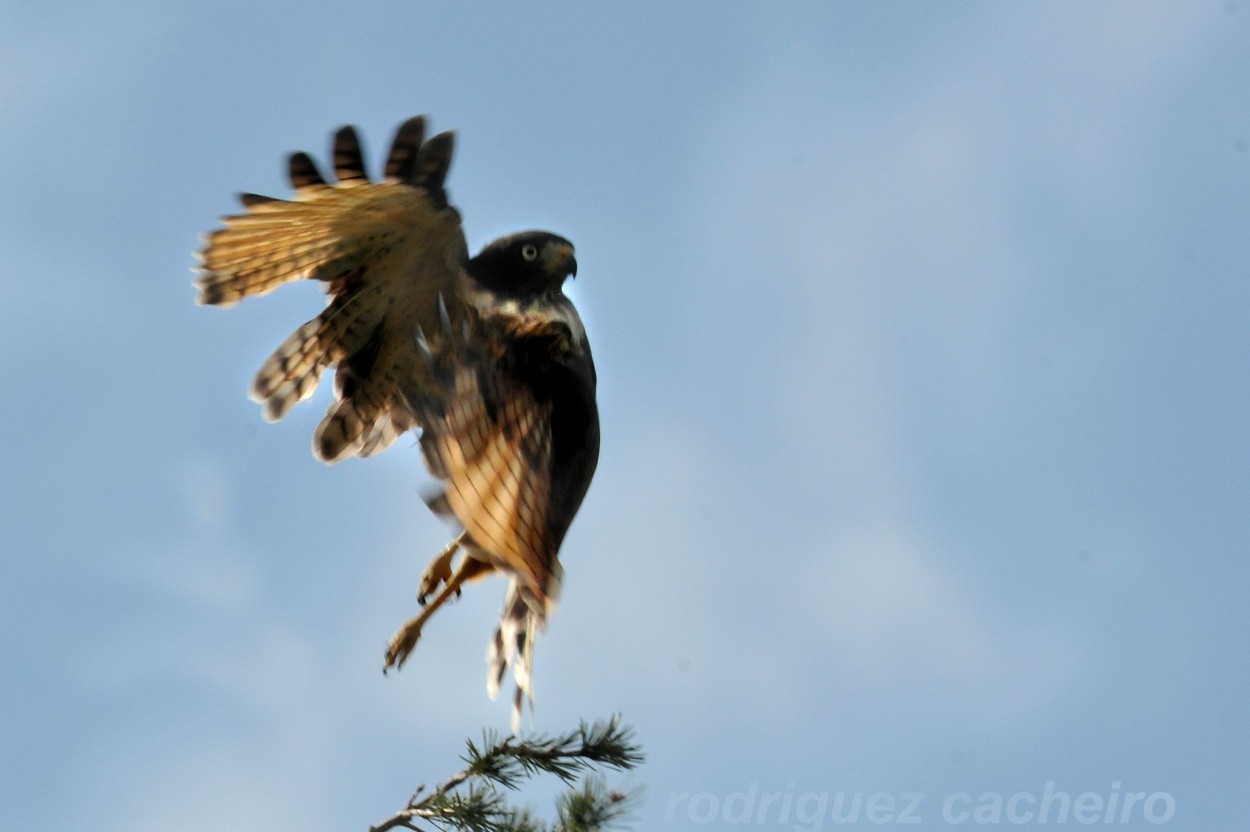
386 251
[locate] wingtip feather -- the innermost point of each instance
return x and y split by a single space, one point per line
401 162
349 161
303 171
433 162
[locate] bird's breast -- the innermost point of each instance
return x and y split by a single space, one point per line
530 315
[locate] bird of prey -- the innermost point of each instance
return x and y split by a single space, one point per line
484 355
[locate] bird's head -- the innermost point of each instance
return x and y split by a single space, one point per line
526 263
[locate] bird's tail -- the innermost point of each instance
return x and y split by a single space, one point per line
513 646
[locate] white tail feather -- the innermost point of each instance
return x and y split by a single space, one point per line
513 646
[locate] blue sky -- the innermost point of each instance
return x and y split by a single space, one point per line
922 337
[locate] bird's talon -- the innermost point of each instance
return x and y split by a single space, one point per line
437 573
402 644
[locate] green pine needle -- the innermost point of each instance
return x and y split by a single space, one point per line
505 763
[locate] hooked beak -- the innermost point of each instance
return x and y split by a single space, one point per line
561 261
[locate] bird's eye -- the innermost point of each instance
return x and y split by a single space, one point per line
529 251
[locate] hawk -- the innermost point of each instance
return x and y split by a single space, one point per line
485 356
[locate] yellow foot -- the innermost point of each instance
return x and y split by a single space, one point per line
406 638
402 643
438 572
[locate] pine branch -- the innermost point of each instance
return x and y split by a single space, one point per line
593 807
504 763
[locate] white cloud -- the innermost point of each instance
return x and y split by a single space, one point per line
289 696
207 492
897 616
871 264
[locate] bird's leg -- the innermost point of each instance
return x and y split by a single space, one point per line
406 637
439 570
